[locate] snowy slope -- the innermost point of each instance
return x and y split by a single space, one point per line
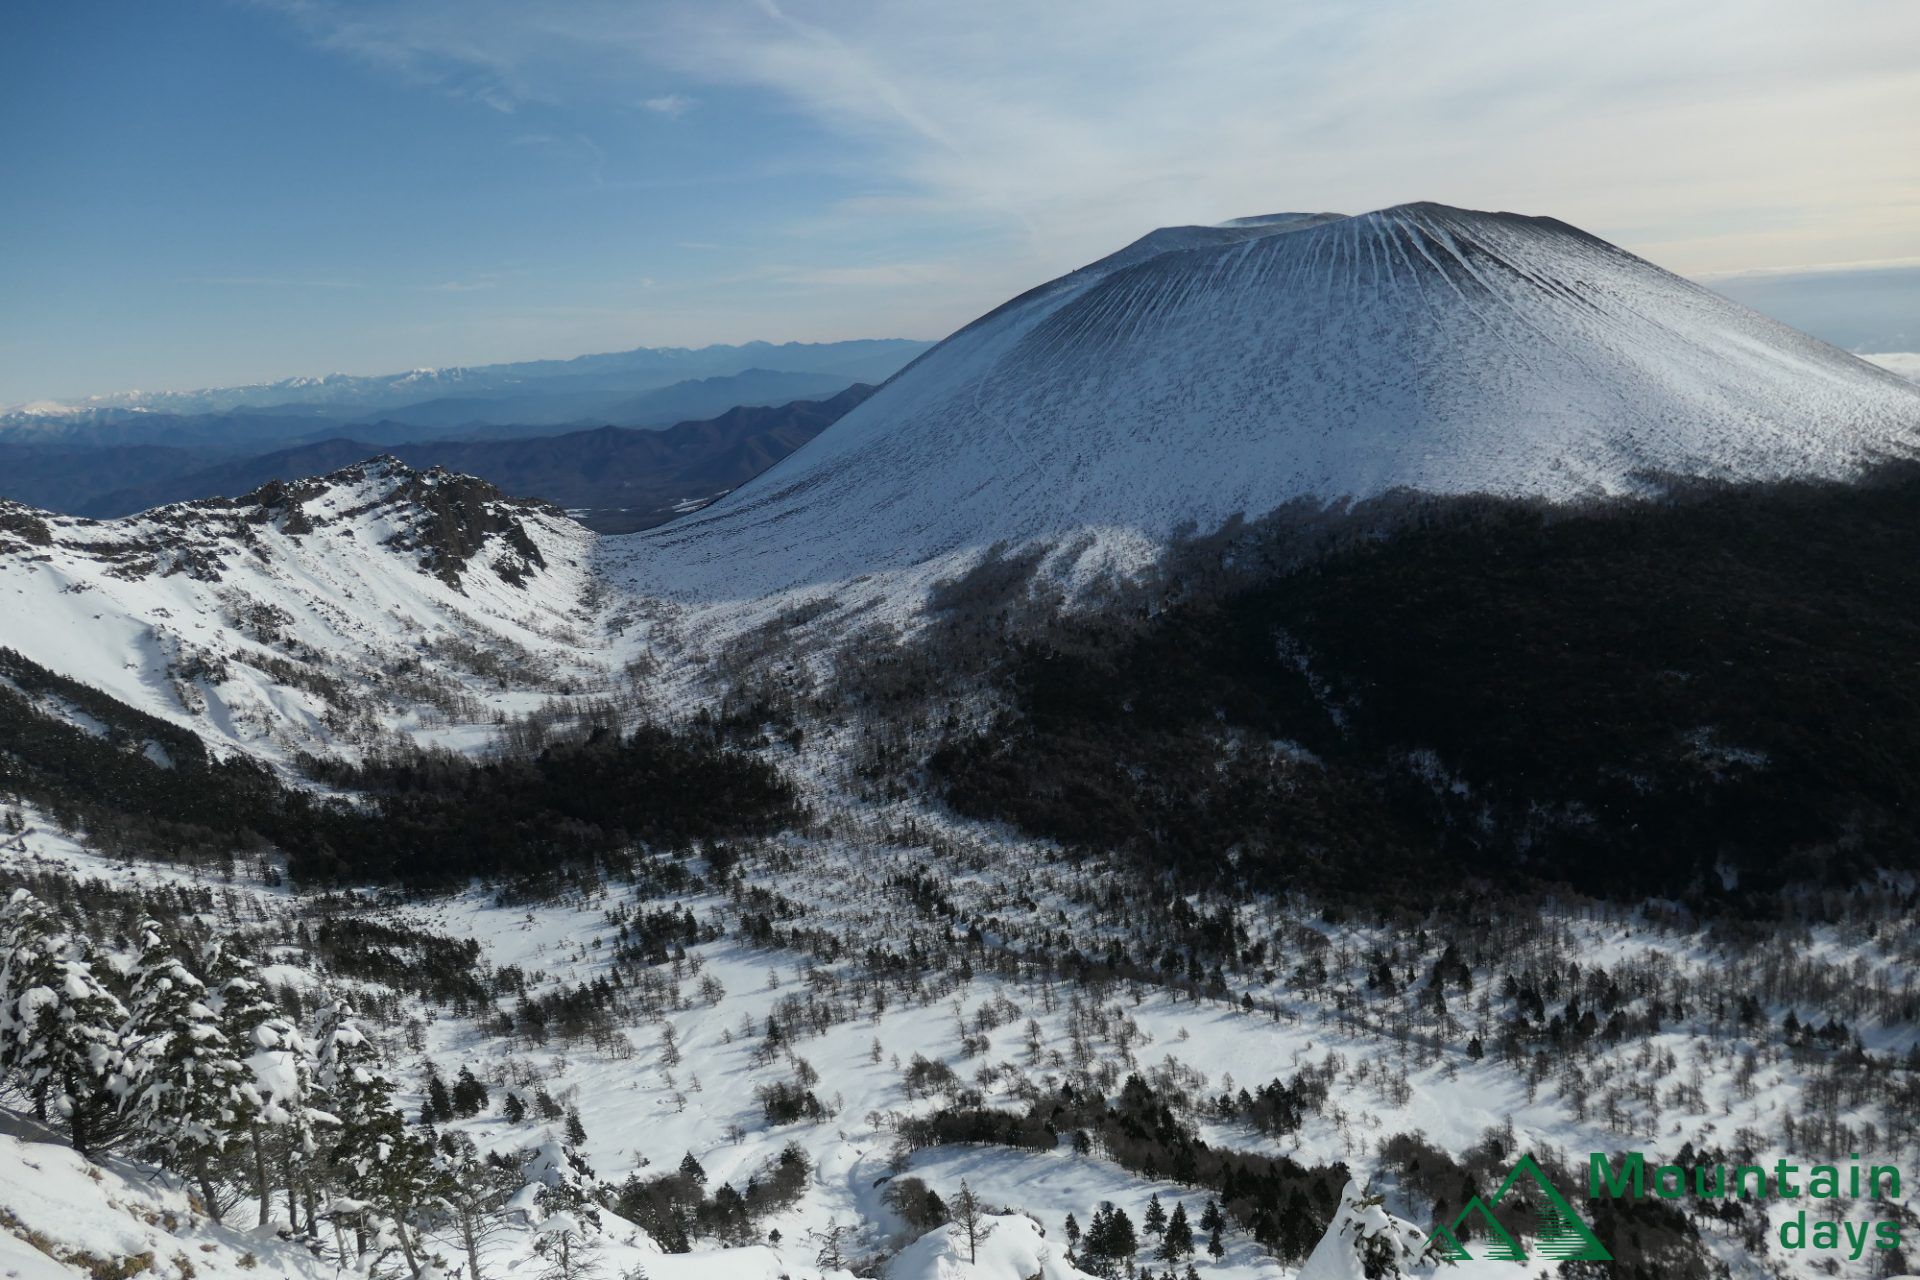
303 616
63 1218
1205 372
1013 1249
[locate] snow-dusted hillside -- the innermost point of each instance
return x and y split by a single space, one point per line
305 616
1204 372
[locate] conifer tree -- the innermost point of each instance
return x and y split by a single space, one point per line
1099 1232
385 1176
1178 1242
1155 1220
569 1225
280 1134
470 1097
60 1027
970 1215
438 1108
187 1092
476 1191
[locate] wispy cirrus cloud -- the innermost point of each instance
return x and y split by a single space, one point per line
1727 133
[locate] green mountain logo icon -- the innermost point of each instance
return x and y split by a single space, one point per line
1563 1236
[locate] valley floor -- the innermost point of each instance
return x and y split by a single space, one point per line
910 968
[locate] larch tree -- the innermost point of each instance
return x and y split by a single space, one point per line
970 1216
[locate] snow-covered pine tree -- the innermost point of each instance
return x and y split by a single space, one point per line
1365 1240
60 1026
191 1097
382 1175
280 1134
476 1190
568 1223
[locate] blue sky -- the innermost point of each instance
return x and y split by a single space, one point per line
202 192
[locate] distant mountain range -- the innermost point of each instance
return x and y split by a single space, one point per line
575 432
614 479
585 388
676 402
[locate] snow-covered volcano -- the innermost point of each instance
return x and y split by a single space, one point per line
1207 371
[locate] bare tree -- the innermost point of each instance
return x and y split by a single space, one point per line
830 1256
971 1217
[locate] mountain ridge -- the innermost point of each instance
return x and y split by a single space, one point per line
633 371
632 476
306 613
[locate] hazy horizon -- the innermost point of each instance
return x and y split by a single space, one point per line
215 194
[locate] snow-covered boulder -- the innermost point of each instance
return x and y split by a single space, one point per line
1013 1248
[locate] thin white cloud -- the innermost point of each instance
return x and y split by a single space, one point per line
1014 140
669 104
1727 133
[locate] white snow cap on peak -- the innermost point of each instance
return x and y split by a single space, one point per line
1201 373
1362 1231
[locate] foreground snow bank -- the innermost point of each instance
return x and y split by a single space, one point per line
62 1217
757 1263
1014 1249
